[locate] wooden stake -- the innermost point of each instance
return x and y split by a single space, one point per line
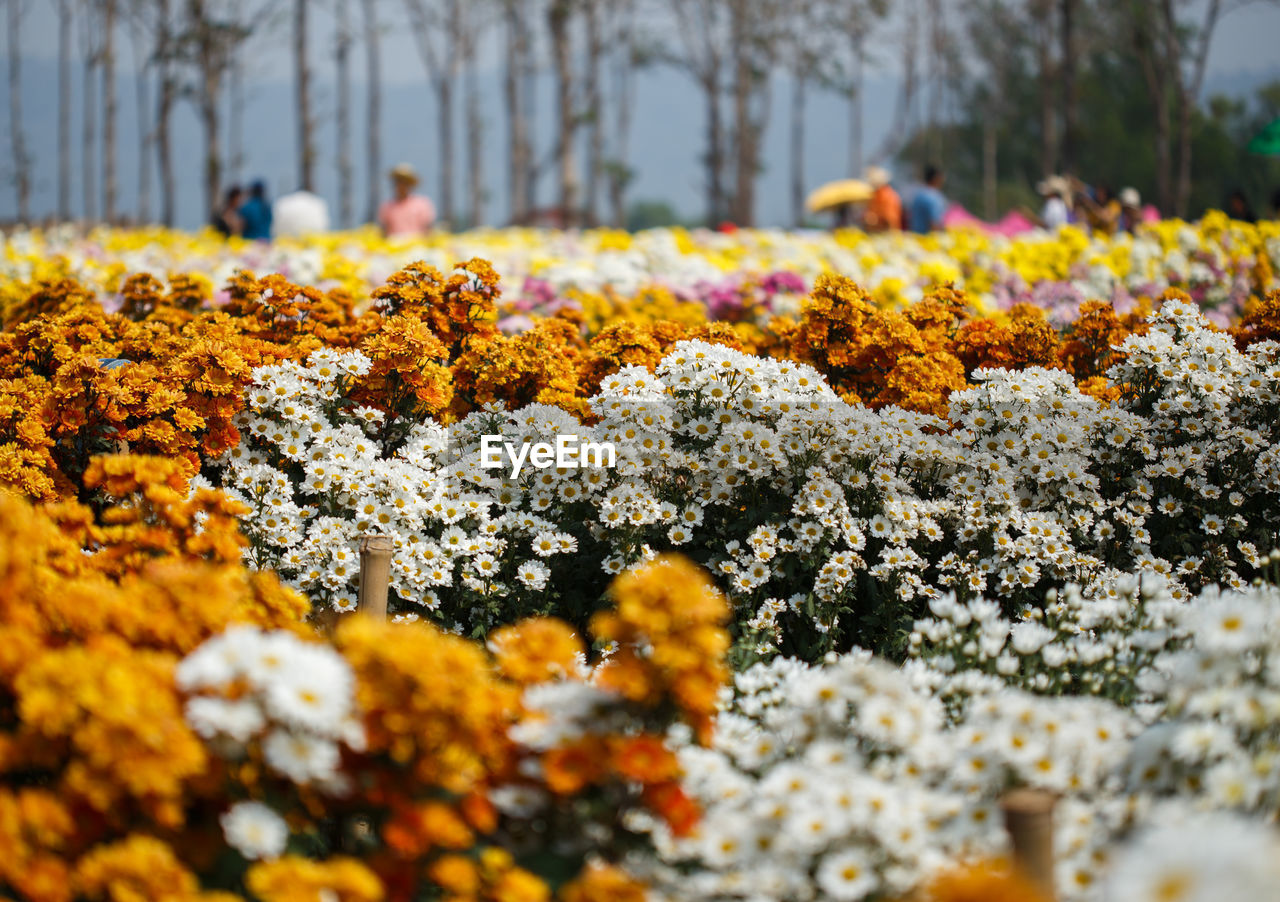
1028 816
375 575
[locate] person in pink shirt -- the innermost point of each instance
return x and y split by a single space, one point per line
406 214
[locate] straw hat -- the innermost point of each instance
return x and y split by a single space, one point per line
403 172
877 176
1129 197
1054 184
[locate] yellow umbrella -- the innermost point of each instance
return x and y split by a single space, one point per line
837 194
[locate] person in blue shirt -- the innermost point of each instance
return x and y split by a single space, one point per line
256 213
928 206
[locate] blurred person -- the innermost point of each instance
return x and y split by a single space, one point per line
1101 209
1056 211
406 214
1238 207
1130 209
929 205
227 220
256 213
884 211
298 214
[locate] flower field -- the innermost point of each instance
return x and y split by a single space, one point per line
899 531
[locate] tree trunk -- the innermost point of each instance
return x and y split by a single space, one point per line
373 112
797 149
235 105
715 152
595 107
855 104
475 145
209 71
164 111
302 75
88 135
624 84
109 111
989 173
517 127
343 63
1188 95
1070 94
444 101
1047 83
64 110
558 20
17 136
743 205
145 136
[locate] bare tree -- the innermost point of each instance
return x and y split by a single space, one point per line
109 110
1171 39
755 27
520 156
593 103
302 84
909 53
856 21
704 35
373 109
17 134
1068 15
629 53
472 23
235 100
90 56
141 84
993 29
343 39
65 21
434 23
559 19
208 43
166 57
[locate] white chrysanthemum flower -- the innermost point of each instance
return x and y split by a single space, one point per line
255 830
847 875
1208 858
301 757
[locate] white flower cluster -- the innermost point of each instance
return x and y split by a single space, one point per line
829 524
1075 644
899 769
848 781
295 698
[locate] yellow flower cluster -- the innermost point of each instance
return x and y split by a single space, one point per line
108 793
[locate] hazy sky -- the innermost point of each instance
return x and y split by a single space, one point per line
665 145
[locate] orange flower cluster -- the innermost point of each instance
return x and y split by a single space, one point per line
1261 321
129 796
916 357
880 357
439 736
81 382
668 620
88 707
983 881
166 375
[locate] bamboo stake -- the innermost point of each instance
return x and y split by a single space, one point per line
375 575
1028 816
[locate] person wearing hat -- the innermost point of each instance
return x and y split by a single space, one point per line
1056 212
1130 209
406 214
884 210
